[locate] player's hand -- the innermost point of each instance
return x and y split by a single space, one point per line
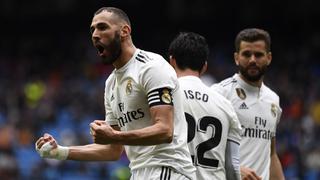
102 133
248 174
47 147
45 144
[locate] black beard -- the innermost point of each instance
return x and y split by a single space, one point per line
252 78
114 47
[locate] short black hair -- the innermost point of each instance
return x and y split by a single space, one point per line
252 35
116 11
190 50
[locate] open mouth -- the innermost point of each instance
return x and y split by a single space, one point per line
100 48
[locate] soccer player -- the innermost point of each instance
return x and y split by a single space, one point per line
256 105
144 111
213 126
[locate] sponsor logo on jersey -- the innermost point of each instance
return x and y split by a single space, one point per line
166 98
240 92
243 106
273 110
129 116
257 132
129 87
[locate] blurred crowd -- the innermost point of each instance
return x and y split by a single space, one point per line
51 79
63 98
60 99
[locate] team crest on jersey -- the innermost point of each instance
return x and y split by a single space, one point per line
273 110
166 96
240 92
129 87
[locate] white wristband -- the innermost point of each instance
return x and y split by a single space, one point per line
47 151
63 152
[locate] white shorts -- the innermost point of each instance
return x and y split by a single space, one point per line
157 173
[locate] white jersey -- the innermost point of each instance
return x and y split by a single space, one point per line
259 113
212 121
145 81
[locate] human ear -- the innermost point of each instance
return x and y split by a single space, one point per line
236 58
125 31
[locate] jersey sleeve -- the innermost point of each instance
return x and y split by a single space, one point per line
235 126
110 118
278 113
159 81
232 162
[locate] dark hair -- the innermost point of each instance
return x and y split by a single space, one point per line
116 11
252 35
190 50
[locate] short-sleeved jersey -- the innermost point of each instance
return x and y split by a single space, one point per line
148 80
259 112
211 122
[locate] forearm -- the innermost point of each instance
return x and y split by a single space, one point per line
156 134
160 132
95 152
276 172
232 163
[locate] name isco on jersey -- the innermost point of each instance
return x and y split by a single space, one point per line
196 95
129 116
257 133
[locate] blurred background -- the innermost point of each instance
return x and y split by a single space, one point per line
51 79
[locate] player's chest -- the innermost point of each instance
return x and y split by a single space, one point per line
127 96
254 111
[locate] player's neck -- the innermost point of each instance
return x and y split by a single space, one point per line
127 52
252 83
187 72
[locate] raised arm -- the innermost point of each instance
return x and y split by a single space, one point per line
161 131
95 152
48 147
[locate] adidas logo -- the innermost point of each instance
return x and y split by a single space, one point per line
243 106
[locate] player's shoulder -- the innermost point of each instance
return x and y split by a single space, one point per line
110 79
154 62
218 96
148 57
225 86
221 100
228 82
270 93
154 69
